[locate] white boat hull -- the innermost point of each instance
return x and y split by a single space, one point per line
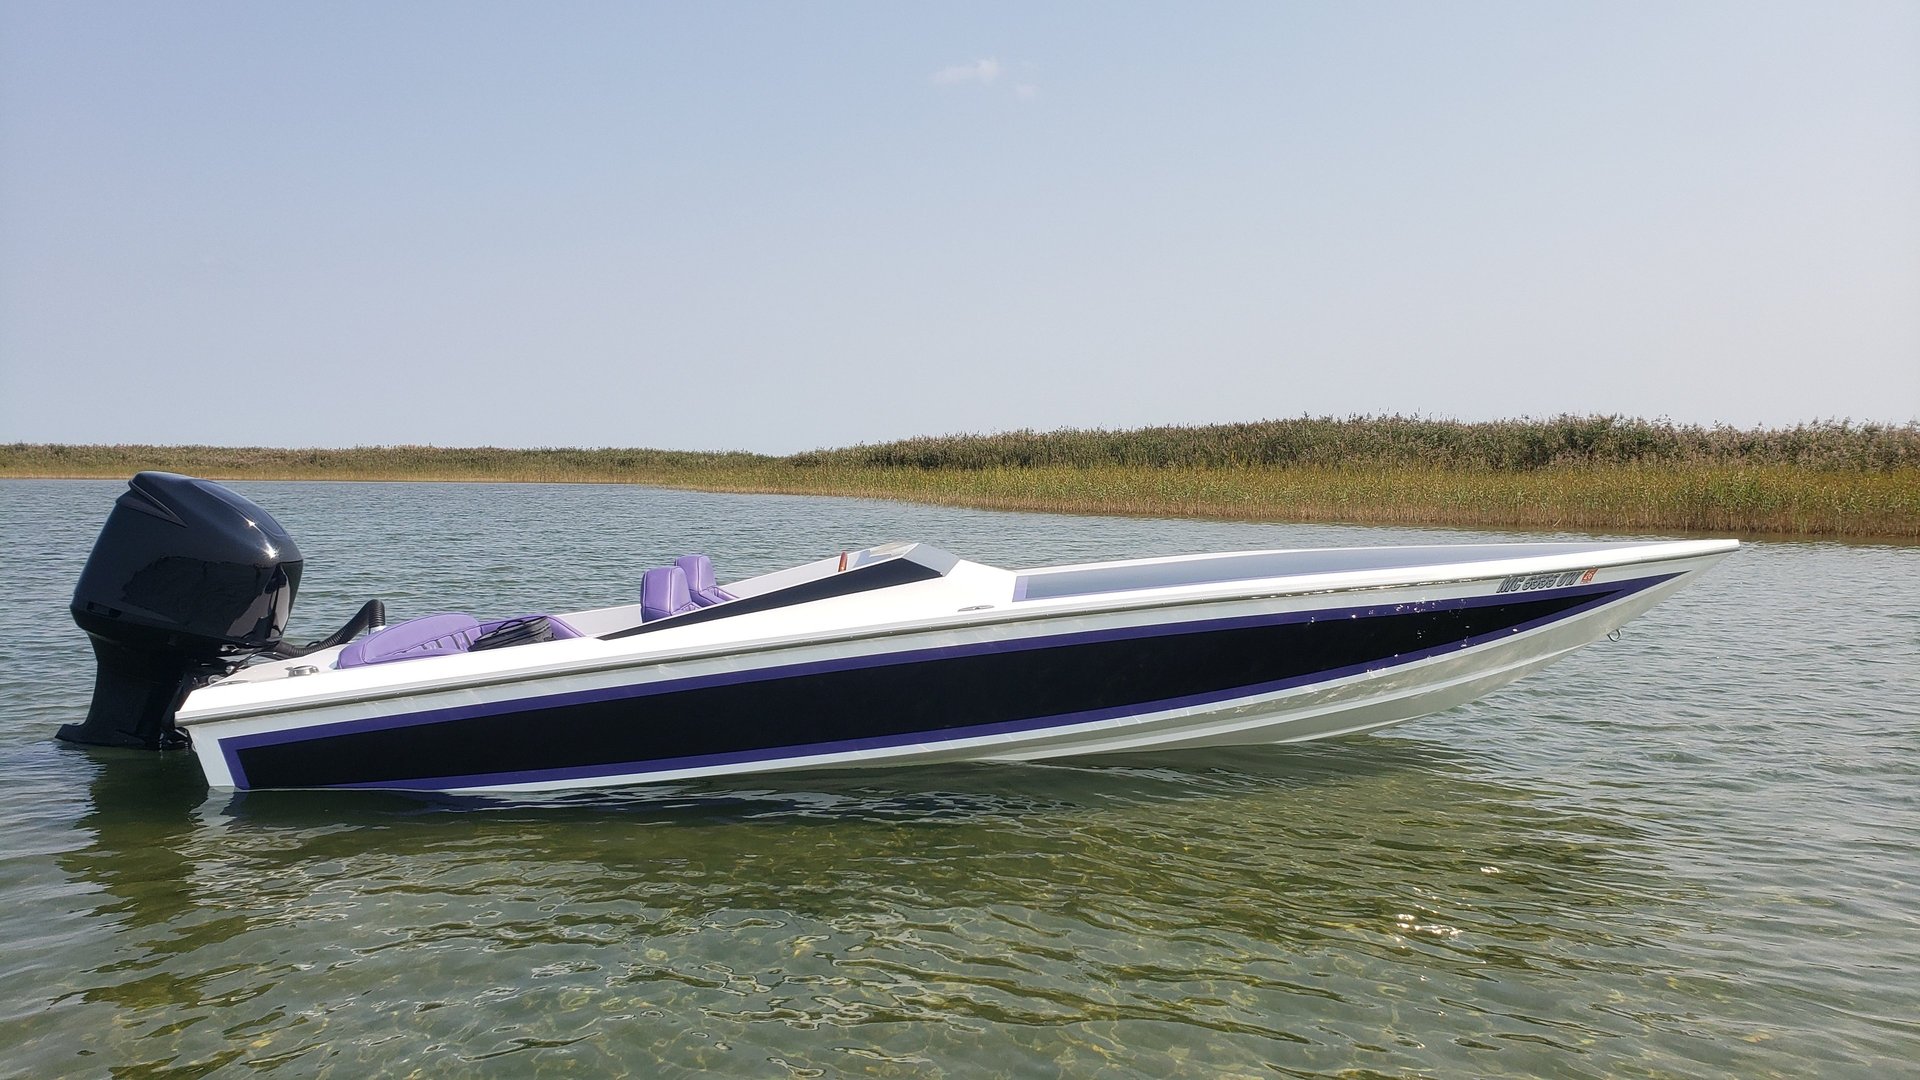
973 664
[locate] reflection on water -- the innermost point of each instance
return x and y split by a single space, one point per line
1248 908
1691 852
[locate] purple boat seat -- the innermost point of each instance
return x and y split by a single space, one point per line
663 592
699 571
431 635
415 639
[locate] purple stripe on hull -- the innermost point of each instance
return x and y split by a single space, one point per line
1600 594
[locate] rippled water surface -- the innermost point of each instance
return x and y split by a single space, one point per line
1695 851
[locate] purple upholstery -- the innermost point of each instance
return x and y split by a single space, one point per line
429 635
663 592
699 571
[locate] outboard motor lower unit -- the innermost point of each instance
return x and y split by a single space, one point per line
186 581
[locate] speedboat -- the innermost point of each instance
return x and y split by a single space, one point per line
887 656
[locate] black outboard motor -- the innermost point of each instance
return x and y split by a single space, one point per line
186 581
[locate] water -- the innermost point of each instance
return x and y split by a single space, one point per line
1695 851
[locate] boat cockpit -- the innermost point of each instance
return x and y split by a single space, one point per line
675 595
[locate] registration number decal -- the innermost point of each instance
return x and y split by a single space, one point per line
1558 579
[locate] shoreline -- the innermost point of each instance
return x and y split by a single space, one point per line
1777 501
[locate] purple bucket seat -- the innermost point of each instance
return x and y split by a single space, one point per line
700 584
663 592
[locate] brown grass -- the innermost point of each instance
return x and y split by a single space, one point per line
1572 473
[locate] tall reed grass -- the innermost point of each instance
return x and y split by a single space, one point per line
1577 473
1399 441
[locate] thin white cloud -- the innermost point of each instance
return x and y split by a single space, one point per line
983 72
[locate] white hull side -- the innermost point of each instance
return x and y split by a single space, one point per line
1343 706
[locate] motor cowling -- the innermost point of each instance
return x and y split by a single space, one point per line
186 581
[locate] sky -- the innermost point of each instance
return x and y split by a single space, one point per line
778 227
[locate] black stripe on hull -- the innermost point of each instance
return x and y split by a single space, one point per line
878 701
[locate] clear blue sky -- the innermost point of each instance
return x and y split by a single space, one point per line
780 226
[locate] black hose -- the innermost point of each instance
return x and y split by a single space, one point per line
521 631
371 614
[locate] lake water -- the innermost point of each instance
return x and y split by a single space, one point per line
1694 851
